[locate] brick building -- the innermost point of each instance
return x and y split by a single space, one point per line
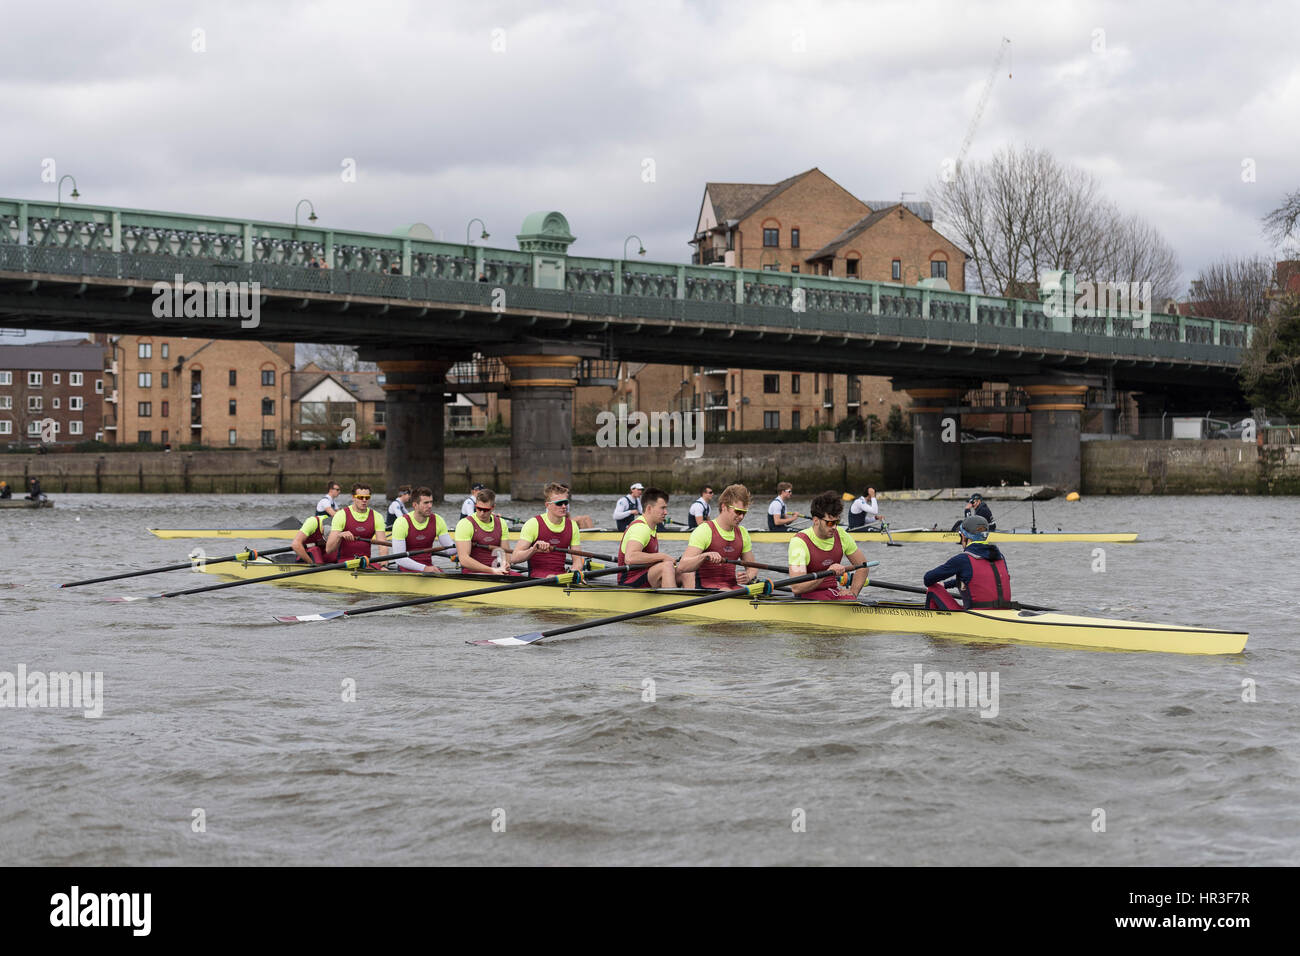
323 400
176 390
51 389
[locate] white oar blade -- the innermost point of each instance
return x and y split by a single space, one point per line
303 618
519 641
127 599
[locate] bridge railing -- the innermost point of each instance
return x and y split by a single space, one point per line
106 242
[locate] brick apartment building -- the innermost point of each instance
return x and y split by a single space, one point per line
58 382
322 400
175 390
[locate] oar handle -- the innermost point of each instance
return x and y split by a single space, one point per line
241 556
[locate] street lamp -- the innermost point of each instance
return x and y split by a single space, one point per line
75 194
640 249
311 218
481 223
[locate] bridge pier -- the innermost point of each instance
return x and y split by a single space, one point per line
936 434
415 383
1056 406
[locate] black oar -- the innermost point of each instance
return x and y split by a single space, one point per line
249 555
754 590
565 578
350 565
916 590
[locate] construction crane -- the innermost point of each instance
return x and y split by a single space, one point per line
984 99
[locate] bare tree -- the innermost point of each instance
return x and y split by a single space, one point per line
1235 289
333 358
1023 213
1282 223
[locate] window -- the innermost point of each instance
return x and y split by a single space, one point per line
268 376
144 409
896 269
733 421
34 378
146 350
144 379
75 378
166 409
33 429
733 382
99 386
380 412
35 403
166 379
794 419
76 403
232 377
6 401
772 267
6 428
794 268
234 437
74 428
268 437
56 378
166 347
771 384
144 438
771 419
794 238
794 385
772 237
165 436
938 269
6 378
58 402
851 268
232 406
268 406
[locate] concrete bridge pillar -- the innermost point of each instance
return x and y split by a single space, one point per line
414 386
1055 415
936 435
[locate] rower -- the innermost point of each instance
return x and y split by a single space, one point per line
544 533
481 534
700 507
418 529
329 505
5 490
977 506
309 543
864 511
650 567
979 571
718 540
826 546
629 507
467 506
34 492
777 518
398 506
353 529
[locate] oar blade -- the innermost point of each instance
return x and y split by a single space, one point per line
304 618
519 641
129 599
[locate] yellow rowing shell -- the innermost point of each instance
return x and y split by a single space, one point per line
598 600
758 537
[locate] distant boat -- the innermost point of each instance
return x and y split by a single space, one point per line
24 503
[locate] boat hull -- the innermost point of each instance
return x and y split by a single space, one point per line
596 600
24 503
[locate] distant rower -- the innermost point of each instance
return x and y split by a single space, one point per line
777 518
629 507
980 571
700 507
467 506
328 505
398 506
864 511
977 506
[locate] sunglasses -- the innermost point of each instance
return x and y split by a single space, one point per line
741 511
360 497
834 520
562 503
486 511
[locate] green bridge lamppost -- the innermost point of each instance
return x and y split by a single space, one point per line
640 247
297 209
75 194
483 235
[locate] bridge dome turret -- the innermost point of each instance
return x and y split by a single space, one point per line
545 232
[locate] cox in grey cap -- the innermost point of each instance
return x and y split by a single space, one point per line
975 528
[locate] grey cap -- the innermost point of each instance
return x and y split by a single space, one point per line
975 527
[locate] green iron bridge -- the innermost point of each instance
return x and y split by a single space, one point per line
419 306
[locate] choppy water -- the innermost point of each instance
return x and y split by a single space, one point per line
208 704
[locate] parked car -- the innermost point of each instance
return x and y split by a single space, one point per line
1236 429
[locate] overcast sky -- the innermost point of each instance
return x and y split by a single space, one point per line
494 110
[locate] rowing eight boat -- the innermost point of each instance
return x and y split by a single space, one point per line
1029 627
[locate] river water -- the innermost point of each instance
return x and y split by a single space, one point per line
225 738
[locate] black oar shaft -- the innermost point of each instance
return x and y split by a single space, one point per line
314 569
241 556
495 589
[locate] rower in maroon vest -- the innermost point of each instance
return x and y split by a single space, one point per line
480 535
979 571
309 543
543 534
420 529
717 544
355 528
639 549
826 546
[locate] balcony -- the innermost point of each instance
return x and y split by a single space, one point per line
713 371
714 401
710 256
112 368
111 398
